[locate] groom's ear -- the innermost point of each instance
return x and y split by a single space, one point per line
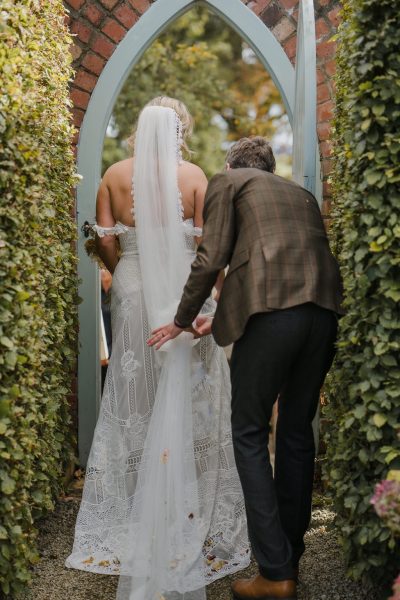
227 167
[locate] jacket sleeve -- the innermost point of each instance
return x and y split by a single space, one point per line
215 251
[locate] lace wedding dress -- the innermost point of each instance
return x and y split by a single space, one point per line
116 462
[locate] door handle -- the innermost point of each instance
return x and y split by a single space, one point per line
86 228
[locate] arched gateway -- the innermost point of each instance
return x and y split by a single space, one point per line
298 91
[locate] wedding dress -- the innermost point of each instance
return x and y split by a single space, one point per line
117 490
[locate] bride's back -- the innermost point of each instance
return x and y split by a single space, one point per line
117 181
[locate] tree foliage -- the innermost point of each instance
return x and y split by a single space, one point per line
205 64
37 274
363 441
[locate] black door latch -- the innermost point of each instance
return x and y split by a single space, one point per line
86 229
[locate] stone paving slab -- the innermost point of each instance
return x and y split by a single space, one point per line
322 574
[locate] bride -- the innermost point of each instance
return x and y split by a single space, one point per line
162 503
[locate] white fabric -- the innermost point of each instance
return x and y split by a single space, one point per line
162 502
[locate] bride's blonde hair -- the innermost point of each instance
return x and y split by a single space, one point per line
181 110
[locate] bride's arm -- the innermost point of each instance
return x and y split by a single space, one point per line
215 251
219 284
200 192
200 189
106 245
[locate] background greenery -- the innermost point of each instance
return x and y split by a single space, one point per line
363 440
204 63
37 274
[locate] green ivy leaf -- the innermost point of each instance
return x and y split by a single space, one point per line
11 359
5 341
360 412
7 485
379 419
373 177
374 247
366 124
391 456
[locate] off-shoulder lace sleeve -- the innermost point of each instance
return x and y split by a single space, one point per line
190 229
116 230
197 231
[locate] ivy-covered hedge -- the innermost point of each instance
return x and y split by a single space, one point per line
364 410
37 274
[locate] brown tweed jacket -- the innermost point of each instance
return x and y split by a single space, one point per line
270 232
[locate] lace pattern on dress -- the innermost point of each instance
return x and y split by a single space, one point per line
115 462
190 229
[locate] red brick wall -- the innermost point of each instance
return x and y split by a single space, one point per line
99 25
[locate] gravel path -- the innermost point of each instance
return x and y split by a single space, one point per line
322 575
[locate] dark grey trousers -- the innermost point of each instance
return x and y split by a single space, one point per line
285 353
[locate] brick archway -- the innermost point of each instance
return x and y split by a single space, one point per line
99 26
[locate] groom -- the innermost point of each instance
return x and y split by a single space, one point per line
279 305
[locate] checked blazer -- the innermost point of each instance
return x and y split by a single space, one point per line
270 232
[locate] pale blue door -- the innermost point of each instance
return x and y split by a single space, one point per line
296 92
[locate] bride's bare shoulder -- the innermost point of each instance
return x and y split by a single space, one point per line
190 169
118 169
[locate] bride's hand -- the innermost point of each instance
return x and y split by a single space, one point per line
162 335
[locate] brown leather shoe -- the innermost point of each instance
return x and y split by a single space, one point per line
260 588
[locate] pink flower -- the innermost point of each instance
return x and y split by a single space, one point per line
396 589
386 501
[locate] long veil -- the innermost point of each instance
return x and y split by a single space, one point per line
163 559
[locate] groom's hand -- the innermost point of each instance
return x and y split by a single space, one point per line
202 326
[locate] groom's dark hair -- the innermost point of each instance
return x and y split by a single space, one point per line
252 152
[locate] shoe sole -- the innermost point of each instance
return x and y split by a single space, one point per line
236 597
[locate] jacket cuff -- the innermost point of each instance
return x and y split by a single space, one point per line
178 324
